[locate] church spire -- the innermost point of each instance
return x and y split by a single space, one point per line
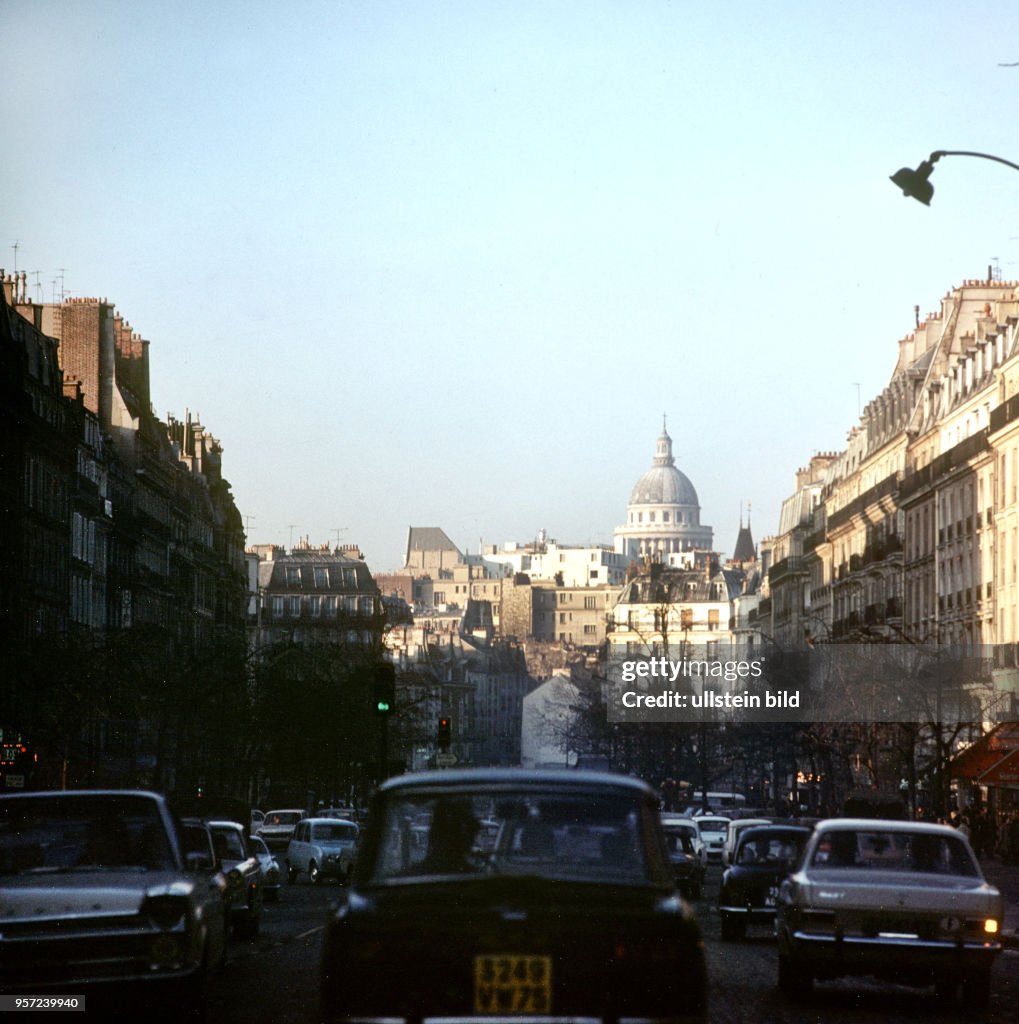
663 449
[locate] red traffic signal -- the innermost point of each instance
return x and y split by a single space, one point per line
443 735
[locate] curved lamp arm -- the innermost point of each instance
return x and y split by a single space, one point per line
916 183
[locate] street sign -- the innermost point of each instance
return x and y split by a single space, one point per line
18 781
445 760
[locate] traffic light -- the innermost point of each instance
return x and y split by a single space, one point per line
384 688
443 735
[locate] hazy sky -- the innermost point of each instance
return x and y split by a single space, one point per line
448 263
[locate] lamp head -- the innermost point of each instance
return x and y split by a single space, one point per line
916 183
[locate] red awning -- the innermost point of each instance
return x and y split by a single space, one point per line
977 759
1004 774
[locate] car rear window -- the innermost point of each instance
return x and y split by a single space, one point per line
604 837
333 833
924 852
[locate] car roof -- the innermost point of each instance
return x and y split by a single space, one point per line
47 794
886 825
758 830
226 824
564 778
328 821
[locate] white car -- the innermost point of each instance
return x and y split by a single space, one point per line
322 848
713 829
278 826
904 901
737 826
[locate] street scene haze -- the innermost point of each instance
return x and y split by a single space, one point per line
509 511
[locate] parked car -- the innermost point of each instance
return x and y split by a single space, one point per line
244 874
321 848
572 913
687 853
278 826
98 900
269 866
904 901
732 834
713 829
257 817
765 854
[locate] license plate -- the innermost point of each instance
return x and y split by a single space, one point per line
511 983
771 896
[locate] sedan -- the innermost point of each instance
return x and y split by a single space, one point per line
903 901
269 868
99 897
571 912
765 854
687 854
244 874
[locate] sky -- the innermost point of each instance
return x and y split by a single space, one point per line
449 263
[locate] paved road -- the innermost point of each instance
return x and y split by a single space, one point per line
273 979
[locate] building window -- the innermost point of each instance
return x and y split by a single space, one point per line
330 606
321 577
712 618
651 517
277 607
665 517
590 629
293 607
590 602
315 606
293 576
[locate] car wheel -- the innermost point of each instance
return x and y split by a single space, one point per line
313 873
793 981
291 874
733 928
976 991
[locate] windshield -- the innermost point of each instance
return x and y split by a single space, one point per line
605 837
924 852
89 832
282 818
229 844
334 833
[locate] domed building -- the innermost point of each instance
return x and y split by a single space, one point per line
664 515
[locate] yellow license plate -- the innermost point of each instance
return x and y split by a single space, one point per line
509 983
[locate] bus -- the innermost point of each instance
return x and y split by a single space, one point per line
723 802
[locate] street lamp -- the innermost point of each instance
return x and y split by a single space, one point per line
916 182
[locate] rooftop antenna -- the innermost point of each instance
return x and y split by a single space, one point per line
15 247
338 530
247 524
292 525
62 271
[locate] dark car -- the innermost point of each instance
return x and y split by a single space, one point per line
97 899
570 912
687 854
764 855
